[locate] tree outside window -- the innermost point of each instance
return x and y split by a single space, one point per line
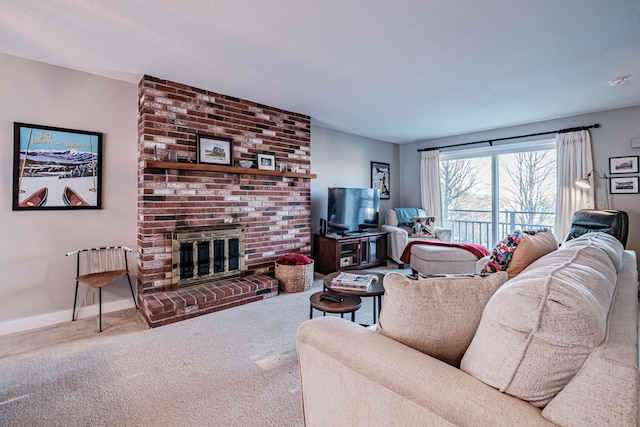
488 194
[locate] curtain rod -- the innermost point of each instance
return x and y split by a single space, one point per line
491 141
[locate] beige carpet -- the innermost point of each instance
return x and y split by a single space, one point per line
235 367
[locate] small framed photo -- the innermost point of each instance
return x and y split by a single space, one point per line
624 185
628 164
380 178
56 168
217 151
266 161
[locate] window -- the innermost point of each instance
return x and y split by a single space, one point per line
488 193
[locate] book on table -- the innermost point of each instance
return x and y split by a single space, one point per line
352 281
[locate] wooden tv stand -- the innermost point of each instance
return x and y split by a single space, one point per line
333 252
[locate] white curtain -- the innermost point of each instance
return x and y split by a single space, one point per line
430 184
574 161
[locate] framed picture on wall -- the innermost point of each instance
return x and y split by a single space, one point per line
628 164
266 161
56 168
380 178
217 151
624 185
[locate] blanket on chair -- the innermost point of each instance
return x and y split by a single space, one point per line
478 250
405 216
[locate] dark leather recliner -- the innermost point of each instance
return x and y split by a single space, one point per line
612 222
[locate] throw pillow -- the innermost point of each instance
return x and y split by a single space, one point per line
538 329
533 245
437 316
503 252
423 227
294 259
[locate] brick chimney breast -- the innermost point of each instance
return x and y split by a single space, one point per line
274 211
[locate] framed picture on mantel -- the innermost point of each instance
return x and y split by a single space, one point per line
217 151
380 178
266 161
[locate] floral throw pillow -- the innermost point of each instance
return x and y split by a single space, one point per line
423 227
503 253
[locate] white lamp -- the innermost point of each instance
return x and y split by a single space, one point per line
586 183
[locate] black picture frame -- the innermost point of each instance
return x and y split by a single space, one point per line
623 185
380 178
56 168
622 165
266 160
214 150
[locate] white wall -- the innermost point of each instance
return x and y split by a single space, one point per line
612 139
37 283
344 160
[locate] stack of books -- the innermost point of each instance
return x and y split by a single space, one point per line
354 282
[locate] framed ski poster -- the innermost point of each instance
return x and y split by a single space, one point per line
56 168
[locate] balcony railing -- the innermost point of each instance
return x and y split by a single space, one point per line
475 226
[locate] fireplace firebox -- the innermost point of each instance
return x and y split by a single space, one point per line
199 256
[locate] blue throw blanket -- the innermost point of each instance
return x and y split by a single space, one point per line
405 216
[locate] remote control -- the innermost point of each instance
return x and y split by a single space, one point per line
330 297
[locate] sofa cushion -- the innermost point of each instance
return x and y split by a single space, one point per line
533 245
607 242
438 315
539 328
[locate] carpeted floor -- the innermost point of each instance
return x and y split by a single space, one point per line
236 367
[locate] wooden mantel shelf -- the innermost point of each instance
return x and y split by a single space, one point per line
224 169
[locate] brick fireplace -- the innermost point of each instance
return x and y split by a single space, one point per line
273 209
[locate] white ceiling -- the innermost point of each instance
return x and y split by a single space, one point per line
395 70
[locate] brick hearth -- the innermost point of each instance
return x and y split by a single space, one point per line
162 308
274 210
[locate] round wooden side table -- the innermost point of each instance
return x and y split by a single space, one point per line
349 304
376 291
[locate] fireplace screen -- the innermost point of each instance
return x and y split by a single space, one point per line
203 255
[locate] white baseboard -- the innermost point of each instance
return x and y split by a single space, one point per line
49 319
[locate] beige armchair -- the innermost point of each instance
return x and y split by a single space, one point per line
399 236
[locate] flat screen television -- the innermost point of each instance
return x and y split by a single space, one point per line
352 210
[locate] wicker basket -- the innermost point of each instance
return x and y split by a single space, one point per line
295 278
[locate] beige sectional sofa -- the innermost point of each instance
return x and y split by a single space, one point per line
556 345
